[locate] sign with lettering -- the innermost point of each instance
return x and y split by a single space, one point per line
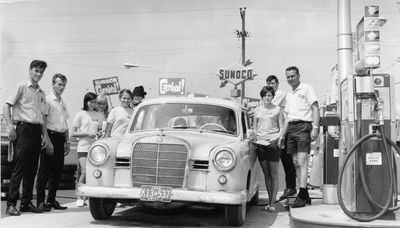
107 86
172 86
250 103
235 73
374 158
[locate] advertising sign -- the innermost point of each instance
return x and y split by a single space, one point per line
172 86
107 86
235 73
368 37
251 103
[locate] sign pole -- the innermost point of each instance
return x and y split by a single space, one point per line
243 35
109 99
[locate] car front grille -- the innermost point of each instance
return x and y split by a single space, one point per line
158 164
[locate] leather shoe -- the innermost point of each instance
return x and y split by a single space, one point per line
56 205
286 193
30 208
12 211
43 207
301 203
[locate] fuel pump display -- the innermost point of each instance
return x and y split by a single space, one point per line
367 187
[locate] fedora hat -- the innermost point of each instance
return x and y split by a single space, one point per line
139 91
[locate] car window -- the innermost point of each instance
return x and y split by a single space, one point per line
244 122
186 116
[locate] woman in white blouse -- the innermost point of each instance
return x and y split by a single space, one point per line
119 117
86 127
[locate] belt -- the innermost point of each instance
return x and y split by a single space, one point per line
298 121
55 132
27 123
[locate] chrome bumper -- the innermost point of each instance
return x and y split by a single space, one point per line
226 198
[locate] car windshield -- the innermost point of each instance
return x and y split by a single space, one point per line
185 116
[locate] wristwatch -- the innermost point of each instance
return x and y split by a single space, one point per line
316 127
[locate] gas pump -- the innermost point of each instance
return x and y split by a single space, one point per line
366 187
330 143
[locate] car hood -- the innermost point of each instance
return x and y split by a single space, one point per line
200 143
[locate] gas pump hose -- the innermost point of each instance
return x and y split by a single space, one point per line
392 183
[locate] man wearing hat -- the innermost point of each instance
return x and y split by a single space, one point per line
138 95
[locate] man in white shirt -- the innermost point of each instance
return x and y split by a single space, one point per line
51 166
302 118
286 159
27 108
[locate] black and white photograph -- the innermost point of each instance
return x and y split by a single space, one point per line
189 113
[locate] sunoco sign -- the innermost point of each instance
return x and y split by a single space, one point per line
235 73
172 86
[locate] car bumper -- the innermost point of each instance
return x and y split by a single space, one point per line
226 198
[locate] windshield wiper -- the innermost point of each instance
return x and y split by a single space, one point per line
218 130
182 127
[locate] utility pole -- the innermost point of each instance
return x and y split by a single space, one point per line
243 34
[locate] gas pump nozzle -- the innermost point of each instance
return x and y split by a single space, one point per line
379 110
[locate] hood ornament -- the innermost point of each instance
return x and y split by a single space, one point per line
161 132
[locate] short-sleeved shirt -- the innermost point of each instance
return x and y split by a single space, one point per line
298 103
267 122
57 114
279 98
88 122
29 103
119 117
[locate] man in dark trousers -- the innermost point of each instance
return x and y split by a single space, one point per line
286 159
51 166
28 105
302 123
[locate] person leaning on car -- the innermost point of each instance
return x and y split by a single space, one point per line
28 105
51 166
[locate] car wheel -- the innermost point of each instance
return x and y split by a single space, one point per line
235 214
101 209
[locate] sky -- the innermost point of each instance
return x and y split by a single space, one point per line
91 39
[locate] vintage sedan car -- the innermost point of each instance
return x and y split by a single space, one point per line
176 151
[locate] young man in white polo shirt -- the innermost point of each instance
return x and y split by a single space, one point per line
51 166
302 118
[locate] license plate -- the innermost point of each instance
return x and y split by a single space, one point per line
155 193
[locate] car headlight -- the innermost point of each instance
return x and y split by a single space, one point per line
98 154
224 160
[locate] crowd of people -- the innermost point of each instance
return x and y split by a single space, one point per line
37 126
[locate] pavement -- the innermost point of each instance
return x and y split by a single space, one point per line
316 215
331 215
63 196
132 216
